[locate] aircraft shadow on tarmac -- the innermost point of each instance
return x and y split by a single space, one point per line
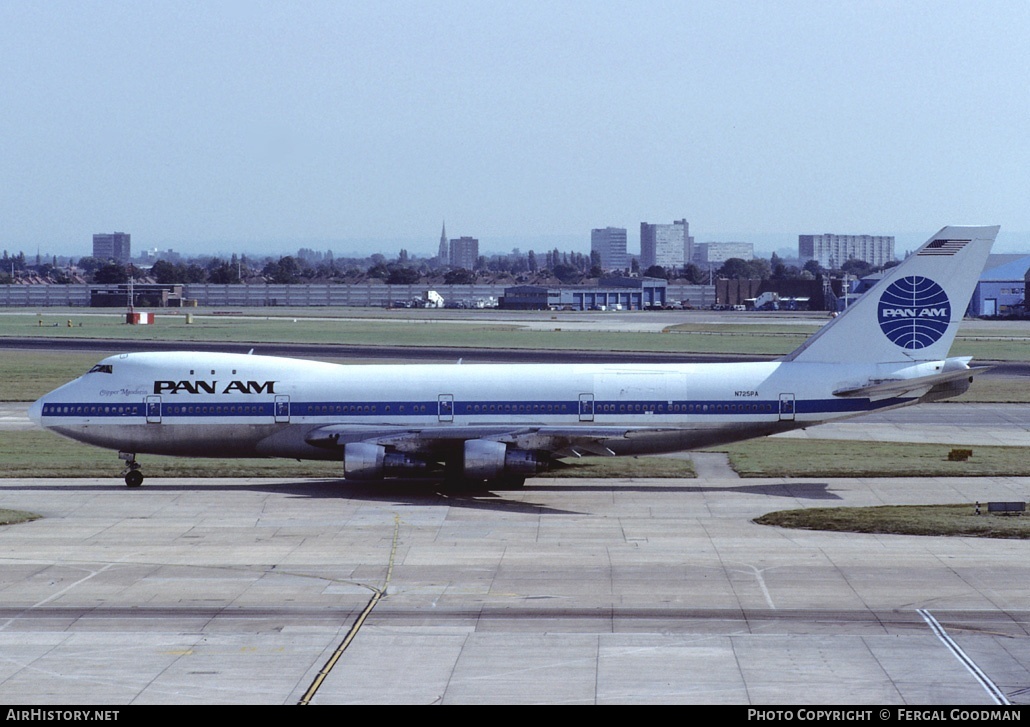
430 494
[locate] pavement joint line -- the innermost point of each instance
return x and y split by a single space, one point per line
990 687
53 596
356 626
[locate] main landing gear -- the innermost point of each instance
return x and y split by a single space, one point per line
132 473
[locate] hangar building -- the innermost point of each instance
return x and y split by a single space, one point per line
1002 287
608 294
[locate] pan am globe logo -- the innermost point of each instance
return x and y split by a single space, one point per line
914 312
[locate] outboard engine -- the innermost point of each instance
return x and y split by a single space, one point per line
483 459
487 460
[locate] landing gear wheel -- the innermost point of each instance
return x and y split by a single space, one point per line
133 477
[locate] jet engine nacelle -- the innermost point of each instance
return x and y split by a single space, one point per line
486 460
363 461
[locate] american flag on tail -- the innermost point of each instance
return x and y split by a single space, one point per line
943 247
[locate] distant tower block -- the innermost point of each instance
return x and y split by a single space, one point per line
464 253
669 246
610 244
112 246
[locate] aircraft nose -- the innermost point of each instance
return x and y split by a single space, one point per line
36 412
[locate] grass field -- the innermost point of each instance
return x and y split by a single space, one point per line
782 457
479 329
953 520
371 332
27 375
997 390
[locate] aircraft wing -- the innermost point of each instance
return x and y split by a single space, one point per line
559 441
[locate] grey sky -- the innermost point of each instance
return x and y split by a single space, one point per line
210 126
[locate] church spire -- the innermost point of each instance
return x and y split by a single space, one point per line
444 253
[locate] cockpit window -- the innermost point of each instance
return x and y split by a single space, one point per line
102 369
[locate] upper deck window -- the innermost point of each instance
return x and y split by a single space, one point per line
102 369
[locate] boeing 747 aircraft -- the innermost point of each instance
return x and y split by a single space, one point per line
496 425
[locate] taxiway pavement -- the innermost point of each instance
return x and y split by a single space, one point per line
595 592
619 591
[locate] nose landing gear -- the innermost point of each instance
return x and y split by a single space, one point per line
133 475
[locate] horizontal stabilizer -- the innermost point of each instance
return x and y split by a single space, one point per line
896 387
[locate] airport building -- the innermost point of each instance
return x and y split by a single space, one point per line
232 296
122 295
464 253
670 246
1001 290
112 246
610 244
615 293
832 251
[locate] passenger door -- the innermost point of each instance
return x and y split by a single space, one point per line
586 407
786 407
282 409
153 410
445 407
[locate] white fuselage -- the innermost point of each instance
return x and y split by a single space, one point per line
231 405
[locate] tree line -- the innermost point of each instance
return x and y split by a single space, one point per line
310 266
